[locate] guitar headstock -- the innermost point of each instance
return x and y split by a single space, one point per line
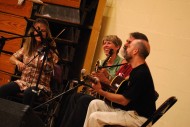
97 65
111 52
108 57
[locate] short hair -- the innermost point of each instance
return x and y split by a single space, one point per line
143 49
138 35
113 38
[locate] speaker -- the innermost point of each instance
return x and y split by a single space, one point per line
13 114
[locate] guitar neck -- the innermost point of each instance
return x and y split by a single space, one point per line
109 87
107 59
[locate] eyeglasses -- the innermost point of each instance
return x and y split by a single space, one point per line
128 41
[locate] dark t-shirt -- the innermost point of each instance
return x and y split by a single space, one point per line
140 90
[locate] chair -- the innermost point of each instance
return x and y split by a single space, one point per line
157 114
47 111
160 111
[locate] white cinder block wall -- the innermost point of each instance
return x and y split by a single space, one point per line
167 25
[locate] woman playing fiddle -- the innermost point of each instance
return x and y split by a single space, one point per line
28 60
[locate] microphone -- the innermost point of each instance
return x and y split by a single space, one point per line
83 71
40 33
81 82
33 35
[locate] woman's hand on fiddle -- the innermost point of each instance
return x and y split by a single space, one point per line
20 65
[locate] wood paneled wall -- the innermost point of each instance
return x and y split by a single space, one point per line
70 3
12 24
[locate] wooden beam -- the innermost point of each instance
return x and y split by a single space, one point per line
94 36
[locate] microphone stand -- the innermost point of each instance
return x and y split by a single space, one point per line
112 65
3 40
46 50
53 113
63 93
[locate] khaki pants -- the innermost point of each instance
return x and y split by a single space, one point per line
100 114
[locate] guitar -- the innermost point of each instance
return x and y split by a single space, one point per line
98 67
118 84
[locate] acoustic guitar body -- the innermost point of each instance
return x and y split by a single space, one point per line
118 84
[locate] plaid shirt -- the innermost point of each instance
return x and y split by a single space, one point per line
30 74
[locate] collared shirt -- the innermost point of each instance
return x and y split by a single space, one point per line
112 70
30 74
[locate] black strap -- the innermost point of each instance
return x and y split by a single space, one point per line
113 65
